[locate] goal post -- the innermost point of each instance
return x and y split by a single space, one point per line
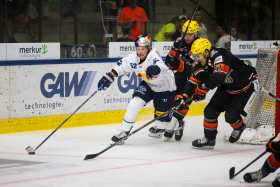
263 119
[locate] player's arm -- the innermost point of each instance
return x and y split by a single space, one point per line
108 78
221 70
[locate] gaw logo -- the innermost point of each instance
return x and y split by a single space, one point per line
127 82
63 84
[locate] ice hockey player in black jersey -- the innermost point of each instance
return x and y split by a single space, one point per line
179 60
236 83
271 164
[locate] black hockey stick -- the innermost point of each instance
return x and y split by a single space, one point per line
232 170
270 94
91 156
180 45
31 150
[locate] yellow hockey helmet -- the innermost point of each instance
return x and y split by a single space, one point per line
200 46
193 28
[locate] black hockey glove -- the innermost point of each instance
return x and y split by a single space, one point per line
179 100
152 71
273 146
176 64
199 93
106 81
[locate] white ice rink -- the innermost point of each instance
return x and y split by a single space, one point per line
142 161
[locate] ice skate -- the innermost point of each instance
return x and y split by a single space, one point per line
155 132
168 134
276 182
254 176
120 138
179 131
204 143
236 133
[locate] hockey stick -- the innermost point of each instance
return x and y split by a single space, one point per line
91 156
180 45
270 94
232 170
31 150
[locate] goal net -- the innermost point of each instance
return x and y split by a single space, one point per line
263 118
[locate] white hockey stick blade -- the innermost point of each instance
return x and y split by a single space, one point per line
30 150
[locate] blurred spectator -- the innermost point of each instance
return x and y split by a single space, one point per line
126 33
32 10
178 32
16 12
223 39
26 12
110 15
68 9
202 33
168 30
233 33
133 16
143 4
278 36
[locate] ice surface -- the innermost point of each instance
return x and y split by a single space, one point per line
141 161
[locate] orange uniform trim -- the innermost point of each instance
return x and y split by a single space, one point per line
238 92
184 110
173 53
222 67
238 124
270 146
198 70
255 77
210 125
194 80
182 65
273 162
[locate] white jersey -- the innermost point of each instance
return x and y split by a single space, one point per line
164 81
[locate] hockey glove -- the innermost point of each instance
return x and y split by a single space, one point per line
179 100
176 64
152 71
273 146
199 93
106 81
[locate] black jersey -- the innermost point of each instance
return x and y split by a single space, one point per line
223 69
177 51
183 65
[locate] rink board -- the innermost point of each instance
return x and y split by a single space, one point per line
39 95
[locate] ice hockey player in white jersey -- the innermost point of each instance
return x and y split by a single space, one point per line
158 84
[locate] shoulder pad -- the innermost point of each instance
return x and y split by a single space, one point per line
213 52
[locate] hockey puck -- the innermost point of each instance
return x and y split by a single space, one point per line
31 153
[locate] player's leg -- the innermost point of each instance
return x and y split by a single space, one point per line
180 80
179 116
163 101
217 104
239 105
271 164
142 95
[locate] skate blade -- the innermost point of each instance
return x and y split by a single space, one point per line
153 135
118 143
204 147
167 139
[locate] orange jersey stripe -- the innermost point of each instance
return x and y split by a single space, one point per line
194 80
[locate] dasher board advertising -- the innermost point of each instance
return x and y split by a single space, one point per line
33 51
